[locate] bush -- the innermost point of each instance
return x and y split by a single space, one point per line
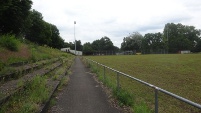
9 42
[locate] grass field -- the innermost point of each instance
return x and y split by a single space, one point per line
177 73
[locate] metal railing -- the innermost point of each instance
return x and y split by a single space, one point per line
157 89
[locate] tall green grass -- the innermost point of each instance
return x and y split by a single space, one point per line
34 52
11 45
28 100
44 52
10 42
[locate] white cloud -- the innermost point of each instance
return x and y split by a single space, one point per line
116 18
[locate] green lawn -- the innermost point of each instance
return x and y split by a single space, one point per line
177 73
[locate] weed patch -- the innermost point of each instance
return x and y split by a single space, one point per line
142 108
64 81
9 42
124 97
1 65
52 102
28 100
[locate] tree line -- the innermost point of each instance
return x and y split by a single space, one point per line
100 45
17 18
103 45
175 38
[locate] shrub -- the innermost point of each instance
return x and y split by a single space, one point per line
9 42
37 90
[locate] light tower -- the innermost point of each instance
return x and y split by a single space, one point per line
74 36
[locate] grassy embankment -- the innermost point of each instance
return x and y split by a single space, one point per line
13 50
177 73
35 92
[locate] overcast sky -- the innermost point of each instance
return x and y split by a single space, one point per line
116 18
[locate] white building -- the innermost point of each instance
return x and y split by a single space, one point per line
185 52
71 51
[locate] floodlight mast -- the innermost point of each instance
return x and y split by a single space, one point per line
167 40
74 36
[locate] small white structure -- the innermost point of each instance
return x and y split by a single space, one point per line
185 52
71 51
65 49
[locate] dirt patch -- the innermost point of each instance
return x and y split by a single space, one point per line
23 53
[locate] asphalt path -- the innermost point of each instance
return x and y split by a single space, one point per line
83 94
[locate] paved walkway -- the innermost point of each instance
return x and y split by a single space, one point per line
83 94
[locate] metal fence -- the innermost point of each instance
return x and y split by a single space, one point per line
156 89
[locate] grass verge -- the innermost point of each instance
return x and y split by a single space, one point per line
124 97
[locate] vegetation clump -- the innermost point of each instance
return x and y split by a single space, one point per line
28 100
9 42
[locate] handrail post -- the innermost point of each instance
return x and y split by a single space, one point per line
156 99
118 81
104 75
87 62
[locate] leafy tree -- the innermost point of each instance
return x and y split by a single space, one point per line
36 20
106 43
181 37
39 32
17 18
153 43
103 44
96 45
87 49
79 46
132 42
66 44
42 32
116 49
13 15
56 40
71 45
198 46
